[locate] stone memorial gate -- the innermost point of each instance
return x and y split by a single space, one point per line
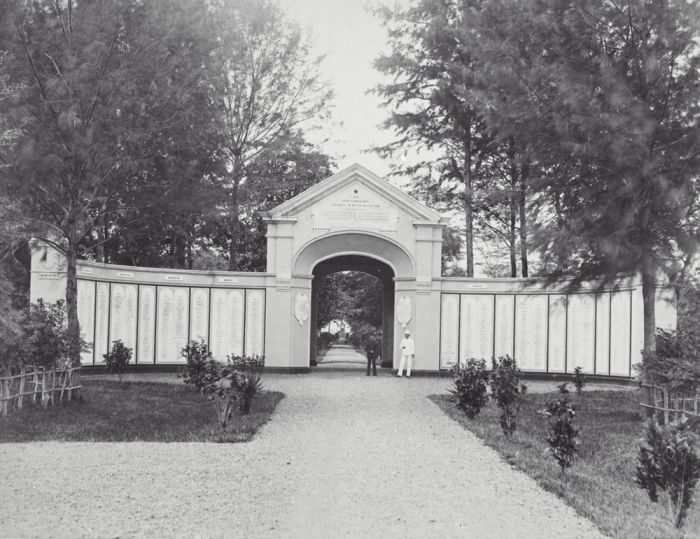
353 220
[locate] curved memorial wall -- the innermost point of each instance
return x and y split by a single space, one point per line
545 329
156 312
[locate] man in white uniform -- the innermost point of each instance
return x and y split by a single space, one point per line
408 352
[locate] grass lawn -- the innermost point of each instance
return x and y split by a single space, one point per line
109 411
600 485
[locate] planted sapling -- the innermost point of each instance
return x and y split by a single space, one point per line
118 358
470 384
563 437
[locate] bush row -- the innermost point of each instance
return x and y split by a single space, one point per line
668 464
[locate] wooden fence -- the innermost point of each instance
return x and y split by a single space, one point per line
670 406
37 384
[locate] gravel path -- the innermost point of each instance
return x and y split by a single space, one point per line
344 456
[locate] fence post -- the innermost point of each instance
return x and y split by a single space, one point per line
69 382
53 387
44 392
75 382
3 402
20 399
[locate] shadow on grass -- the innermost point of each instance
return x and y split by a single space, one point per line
109 411
600 486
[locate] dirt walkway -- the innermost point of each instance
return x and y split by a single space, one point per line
344 456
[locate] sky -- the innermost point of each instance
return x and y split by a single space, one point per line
351 38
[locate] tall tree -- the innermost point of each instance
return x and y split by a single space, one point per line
100 81
434 102
281 171
620 85
267 85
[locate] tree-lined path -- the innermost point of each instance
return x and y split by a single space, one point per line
344 456
341 356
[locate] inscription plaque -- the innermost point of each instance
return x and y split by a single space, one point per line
476 327
531 332
123 315
86 318
505 307
101 321
199 317
581 332
557 333
602 334
620 333
147 322
255 323
171 334
357 206
449 330
181 302
226 322
166 326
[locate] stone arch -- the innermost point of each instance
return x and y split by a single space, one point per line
371 266
363 243
356 251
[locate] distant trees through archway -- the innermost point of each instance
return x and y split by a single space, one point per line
356 293
349 303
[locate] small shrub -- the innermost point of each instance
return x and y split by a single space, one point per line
246 363
563 437
674 362
470 384
244 373
201 370
325 339
46 337
507 391
118 358
248 384
669 462
563 388
579 380
224 395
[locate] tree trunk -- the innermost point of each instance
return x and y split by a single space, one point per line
511 234
649 301
468 199
524 170
72 300
180 247
100 249
234 216
513 208
190 257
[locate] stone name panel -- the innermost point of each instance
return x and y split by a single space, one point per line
531 332
255 323
545 332
449 330
157 322
86 318
147 325
476 333
226 335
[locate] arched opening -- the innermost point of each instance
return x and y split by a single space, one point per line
367 265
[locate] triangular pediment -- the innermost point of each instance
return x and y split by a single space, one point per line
355 188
